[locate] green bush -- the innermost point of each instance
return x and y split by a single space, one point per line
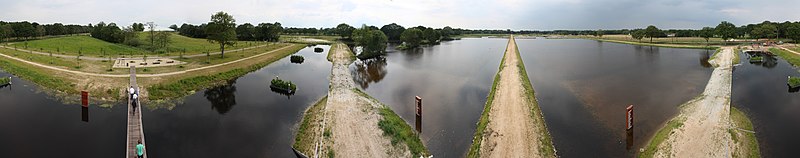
5 80
287 85
297 59
793 81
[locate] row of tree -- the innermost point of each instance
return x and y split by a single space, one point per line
726 30
244 32
27 30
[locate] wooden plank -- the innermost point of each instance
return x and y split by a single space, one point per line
135 130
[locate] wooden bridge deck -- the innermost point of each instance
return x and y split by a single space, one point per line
135 131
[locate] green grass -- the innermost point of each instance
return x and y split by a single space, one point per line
335 47
749 143
793 81
179 43
756 59
475 148
396 128
184 86
660 136
297 39
671 45
24 71
304 140
714 56
4 80
790 57
546 143
736 56
70 45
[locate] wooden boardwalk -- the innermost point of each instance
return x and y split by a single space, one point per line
135 131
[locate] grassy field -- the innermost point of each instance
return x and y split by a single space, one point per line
669 45
179 86
299 39
180 43
71 45
397 128
790 57
747 144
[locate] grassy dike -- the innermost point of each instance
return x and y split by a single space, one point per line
790 57
305 138
745 140
546 143
185 86
654 44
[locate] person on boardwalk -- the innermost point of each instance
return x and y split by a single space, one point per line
135 100
131 91
140 149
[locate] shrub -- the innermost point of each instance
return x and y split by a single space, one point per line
297 59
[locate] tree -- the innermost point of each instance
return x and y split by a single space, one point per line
411 37
268 31
162 40
638 34
447 33
652 31
138 27
246 32
371 40
765 30
151 27
344 30
726 30
5 32
174 27
393 31
221 29
793 32
707 33
599 33
431 35
130 35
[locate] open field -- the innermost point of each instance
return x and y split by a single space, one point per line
71 45
179 43
321 39
669 45
790 57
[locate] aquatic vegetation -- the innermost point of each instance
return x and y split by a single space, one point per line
297 59
284 86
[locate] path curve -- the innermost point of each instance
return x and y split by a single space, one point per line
139 75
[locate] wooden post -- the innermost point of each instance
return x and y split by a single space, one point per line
419 105
629 118
84 98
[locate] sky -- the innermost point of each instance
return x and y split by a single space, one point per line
470 14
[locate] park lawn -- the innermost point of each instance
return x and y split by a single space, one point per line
71 45
179 43
65 63
790 57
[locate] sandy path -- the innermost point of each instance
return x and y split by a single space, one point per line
138 75
352 118
787 49
704 131
98 58
511 131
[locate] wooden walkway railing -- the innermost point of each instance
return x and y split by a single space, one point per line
135 130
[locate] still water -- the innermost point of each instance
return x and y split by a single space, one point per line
241 119
584 86
453 80
760 91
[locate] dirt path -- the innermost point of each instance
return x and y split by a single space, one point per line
787 49
511 131
352 119
706 118
139 75
98 59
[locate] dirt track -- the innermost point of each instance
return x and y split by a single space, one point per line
511 131
353 119
706 118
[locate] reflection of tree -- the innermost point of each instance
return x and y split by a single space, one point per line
369 71
770 61
704 58
222 98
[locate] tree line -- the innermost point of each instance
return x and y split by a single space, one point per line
27 30
244 32
724 30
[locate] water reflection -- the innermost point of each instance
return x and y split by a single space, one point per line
369 71
704 59
84 114
768 61
222 97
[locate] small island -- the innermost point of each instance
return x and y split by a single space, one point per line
318 49
756 59
281 86
793 82
5 81
297 59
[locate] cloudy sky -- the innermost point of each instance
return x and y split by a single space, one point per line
473 14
